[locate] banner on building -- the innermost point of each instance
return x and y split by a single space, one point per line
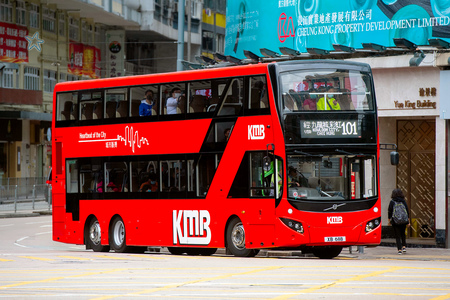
301 24
84 60
13 45
115 53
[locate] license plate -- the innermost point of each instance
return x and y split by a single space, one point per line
331 239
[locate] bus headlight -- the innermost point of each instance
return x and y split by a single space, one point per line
294 225
372 224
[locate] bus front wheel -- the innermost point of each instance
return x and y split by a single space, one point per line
94 237
327 252
236 240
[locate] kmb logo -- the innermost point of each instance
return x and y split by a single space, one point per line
285 27
334 220
191 227
256 132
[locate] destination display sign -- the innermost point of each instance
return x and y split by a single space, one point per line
330 129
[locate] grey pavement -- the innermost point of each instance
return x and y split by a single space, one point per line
424 250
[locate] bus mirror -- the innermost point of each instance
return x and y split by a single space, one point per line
266 163
395 157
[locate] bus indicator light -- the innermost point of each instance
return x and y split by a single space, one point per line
256 132
196 229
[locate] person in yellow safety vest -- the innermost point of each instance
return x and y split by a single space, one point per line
328 102
268 180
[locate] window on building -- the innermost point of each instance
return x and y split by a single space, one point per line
34 15
62 77
49 20
21 13
62 24
49 81
8 78
74 28
208 41
5 10
31 78
71 77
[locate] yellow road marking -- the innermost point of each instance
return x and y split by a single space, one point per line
3 259
147 256
443 297
37 258
74 257
111 257
175 285
59 278
325 286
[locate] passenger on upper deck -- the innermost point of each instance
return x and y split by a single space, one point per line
328 102
172 102
145 108
311 102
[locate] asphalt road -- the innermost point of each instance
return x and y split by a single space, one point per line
33 266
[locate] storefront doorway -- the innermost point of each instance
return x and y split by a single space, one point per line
416 173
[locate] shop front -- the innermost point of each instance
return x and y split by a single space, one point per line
408 106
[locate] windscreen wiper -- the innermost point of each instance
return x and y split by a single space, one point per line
307 154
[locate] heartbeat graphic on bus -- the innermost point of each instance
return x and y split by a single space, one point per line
130 138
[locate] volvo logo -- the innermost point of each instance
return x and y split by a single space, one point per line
334 207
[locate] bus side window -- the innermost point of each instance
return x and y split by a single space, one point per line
67 106
258 93
116 177
205 171
233 102
72 176
91 176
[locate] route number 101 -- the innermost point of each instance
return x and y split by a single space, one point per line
349 128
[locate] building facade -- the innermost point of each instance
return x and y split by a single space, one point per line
46 42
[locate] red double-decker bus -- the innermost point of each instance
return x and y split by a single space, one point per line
270 155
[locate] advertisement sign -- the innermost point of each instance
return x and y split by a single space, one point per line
84 60
115 55
301 24
13 44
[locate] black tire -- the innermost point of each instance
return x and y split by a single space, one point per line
236 240
94 237
117 236
327 252
177 250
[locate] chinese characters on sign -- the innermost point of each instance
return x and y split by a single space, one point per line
329 129
13 44
115 65
419 103
84 60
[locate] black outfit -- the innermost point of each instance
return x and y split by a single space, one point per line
399 229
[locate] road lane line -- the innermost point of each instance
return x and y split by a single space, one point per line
328 285
37 258
176 285
443 297
3 259
147 256
60 278
111 257
74 257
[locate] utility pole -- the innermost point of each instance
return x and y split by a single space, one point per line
180 48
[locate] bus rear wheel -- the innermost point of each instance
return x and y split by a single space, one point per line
236 239
94 237
117 235
327 252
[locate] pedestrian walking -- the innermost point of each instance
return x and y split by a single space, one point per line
398 215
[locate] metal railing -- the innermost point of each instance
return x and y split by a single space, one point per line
25 194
